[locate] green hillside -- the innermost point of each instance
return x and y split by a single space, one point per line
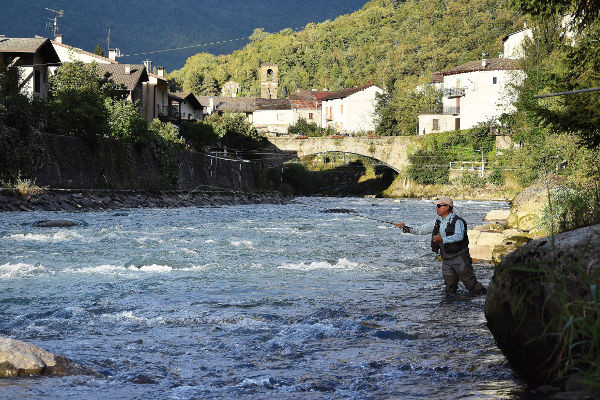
391 42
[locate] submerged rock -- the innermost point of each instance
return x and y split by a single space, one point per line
524 304
58 223
23 359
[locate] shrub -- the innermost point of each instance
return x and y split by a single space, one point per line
302 127
199 134
472 180
125 122
21 147
496 177
165 143
429 167
572 208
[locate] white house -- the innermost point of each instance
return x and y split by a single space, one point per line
68 53
474 92
513 43
273 115
33 57
479 91
351 110
187 105
155 96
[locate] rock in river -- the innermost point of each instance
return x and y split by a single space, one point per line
57 223
23 359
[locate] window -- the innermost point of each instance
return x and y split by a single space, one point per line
436 125
36 81
494 80
342 109
310 115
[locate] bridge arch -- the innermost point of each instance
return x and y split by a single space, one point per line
389 150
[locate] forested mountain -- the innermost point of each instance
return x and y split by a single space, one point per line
141 26
391 42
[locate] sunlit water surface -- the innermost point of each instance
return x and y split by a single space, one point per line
255 301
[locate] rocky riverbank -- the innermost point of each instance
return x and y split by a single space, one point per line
89 200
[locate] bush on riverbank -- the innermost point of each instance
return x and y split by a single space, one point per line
571 208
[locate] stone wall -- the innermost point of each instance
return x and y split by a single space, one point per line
73 163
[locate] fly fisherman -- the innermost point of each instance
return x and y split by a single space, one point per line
449 238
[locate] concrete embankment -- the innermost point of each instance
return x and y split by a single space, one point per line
89 200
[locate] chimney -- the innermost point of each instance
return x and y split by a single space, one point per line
484 62
148 65
59 38
160 71
113 54
127 70
211 105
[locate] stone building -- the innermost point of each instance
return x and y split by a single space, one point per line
269 80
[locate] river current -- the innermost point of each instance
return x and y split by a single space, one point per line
254 301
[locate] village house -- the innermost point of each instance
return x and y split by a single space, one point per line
129 78
351 110
68 53
186 107
155 96
307 104
33 57
221 104
273 115
478 91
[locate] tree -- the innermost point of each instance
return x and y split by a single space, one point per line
77 101
561 59
584 13
21 150
125 122
99 50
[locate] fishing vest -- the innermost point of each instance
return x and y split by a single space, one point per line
450 249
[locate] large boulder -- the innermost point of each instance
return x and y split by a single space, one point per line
527 206
23 359
524 305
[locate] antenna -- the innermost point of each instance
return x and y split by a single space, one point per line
52 23
108 39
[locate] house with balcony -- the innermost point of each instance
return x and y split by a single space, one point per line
182 106
33 57
155 96
478 91
351 110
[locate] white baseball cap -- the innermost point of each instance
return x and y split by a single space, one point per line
444 200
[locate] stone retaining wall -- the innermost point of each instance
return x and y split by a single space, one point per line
88 200
74 163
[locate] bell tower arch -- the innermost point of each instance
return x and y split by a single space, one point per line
269 80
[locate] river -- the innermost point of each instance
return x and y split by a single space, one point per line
254 301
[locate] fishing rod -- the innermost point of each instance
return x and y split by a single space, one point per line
405 229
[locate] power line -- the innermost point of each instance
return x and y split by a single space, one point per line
185 47
198 45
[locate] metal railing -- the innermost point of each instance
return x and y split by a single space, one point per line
170 112
451 110
454 92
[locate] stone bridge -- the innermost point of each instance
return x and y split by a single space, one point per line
389 150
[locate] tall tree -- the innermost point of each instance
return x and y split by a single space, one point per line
99 51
